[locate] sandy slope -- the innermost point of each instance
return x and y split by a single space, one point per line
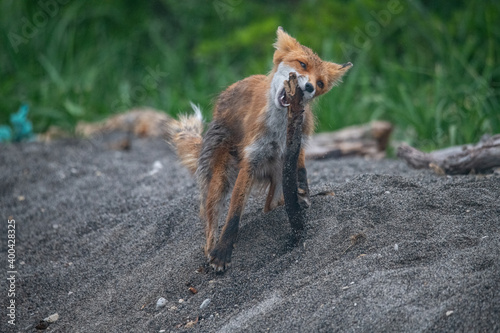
102 234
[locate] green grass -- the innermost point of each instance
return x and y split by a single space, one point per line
432 70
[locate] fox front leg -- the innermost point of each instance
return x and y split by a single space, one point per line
220 256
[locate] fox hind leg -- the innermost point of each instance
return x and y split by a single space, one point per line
216 167
217 191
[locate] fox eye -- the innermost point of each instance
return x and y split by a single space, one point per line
320 84
303 65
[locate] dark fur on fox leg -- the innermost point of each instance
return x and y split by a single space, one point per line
291 180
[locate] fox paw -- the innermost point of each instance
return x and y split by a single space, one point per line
220 258
303 198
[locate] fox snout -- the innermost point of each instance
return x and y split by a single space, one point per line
278 90
309 87
306 86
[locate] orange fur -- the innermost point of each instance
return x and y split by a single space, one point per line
185 137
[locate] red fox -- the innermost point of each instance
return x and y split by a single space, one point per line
245 142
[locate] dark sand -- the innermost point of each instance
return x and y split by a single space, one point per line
101 236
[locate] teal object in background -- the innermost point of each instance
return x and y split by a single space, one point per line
5 133
22 129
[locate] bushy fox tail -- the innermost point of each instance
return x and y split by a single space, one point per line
185 136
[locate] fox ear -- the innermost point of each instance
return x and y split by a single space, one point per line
335 72
284 44
284 41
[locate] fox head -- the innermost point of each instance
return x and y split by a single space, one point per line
318 76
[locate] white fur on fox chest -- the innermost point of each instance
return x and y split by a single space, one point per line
267 151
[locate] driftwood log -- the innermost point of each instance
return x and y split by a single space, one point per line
481 157
295 212
368 140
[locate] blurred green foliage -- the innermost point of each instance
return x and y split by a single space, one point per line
430 68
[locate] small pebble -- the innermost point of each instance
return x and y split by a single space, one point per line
448 313
161 302
396 247
205 303
42 325
52 318
191 324
157 166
